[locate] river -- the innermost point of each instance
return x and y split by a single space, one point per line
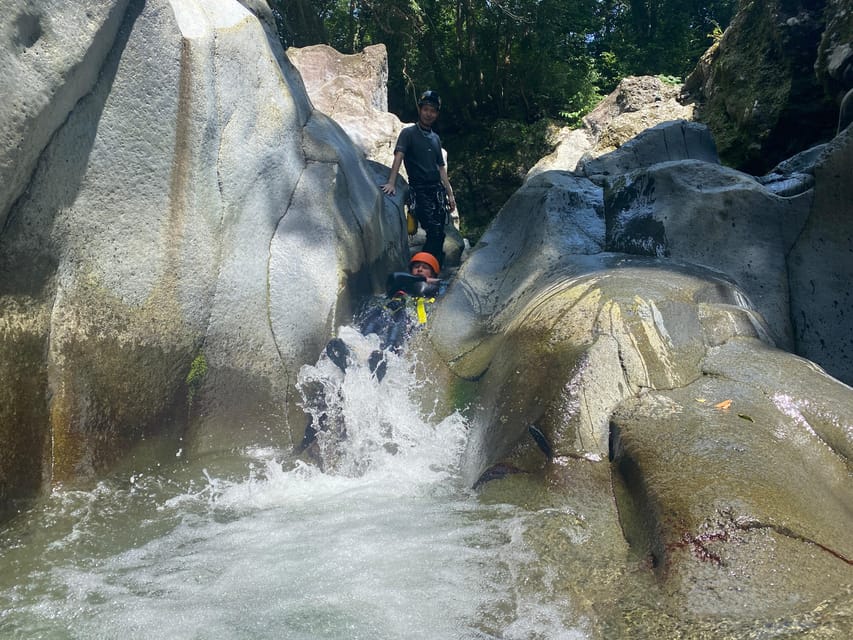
384 540
378 535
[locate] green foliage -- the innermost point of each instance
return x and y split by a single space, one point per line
651 37
198 370
673 80
572 118
519 59
717 32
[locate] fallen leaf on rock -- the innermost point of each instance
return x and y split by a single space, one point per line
724 405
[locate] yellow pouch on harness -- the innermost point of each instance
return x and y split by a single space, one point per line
411 223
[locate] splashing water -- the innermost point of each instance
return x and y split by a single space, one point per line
380 539
373 426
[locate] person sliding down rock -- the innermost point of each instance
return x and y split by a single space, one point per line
408 296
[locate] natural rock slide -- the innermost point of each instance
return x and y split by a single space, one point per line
182 230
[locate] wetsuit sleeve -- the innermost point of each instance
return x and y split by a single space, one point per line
430 289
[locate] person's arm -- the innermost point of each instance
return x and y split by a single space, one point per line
390 187
451 201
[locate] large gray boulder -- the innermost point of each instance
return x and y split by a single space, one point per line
50 60
182 231
566 216
784 238
706 214
664 142
657 389
820 264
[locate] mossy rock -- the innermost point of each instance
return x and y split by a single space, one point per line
761 97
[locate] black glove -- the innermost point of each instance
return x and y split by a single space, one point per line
405 282
396 303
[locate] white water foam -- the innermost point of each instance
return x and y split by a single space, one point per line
385 542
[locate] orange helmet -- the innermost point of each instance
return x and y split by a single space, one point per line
426 258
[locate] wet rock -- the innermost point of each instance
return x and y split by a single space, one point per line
563 214
707 214
661 371
793 176
737 499
729 456
820 265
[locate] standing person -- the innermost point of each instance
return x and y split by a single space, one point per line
419 147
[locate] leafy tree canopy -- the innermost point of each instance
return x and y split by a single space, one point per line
519 59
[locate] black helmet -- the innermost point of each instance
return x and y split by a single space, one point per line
430 97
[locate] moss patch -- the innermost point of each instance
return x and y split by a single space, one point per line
196 375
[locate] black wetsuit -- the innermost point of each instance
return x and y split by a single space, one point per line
391 321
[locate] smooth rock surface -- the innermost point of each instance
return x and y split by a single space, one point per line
192 233
709 215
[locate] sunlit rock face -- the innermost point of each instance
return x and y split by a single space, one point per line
664 142
784 238
638 331
182 231
636 105
706 214
353 91
51 59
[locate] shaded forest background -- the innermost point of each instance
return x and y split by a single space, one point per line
508 71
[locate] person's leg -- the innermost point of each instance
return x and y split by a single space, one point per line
314 396
392 340
377 364
338 351
431 215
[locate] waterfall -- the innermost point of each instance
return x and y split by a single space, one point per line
377 538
